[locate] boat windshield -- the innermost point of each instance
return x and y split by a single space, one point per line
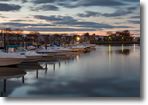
41 48
20 49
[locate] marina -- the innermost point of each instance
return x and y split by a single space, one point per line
68 66
108 74
70 48
35 50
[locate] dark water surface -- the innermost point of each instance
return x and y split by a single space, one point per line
108 71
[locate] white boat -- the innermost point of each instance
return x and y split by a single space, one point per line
31 47
78 48
61 51
49 52
7 59
92 46
31 55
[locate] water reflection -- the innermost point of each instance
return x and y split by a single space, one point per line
45 65
11 72
122 48
124 52
59 64
120 51
7 73
107 71
134 47
28 67
77 57
109 56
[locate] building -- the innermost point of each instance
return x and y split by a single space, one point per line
135 39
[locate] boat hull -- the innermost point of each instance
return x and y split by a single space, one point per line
32 58
47 54
11 72
10 61
79 49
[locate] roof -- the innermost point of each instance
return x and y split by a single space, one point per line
13 46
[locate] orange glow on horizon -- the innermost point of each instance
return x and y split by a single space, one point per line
103 33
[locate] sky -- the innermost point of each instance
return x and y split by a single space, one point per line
71 16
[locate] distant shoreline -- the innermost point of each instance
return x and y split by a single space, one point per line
115 42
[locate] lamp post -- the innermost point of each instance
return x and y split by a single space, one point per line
122 38
78 38
110 38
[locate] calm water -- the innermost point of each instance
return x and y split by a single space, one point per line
108 71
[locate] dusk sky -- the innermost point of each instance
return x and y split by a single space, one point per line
71 16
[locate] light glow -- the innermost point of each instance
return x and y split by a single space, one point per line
78 38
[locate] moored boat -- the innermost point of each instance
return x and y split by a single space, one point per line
7 59
30 55
11 72
49 52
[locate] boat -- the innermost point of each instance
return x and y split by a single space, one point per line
49 52
61 51
7 73
78 48
30 55
31 48
28 67
92 46
8 59
11 72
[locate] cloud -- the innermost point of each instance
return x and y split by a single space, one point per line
137 34
121 12
89 14
4 0
101 3
87 3
1 16
136 30
24 24
43 1
70 21
98 87
81 3
20 20
33 28
9 7
24 1
132 8
55 18
118 12
52 1
138 17
57 29
134 1
89 24
134 22
45 8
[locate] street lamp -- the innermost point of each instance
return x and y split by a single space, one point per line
110 38
78 38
